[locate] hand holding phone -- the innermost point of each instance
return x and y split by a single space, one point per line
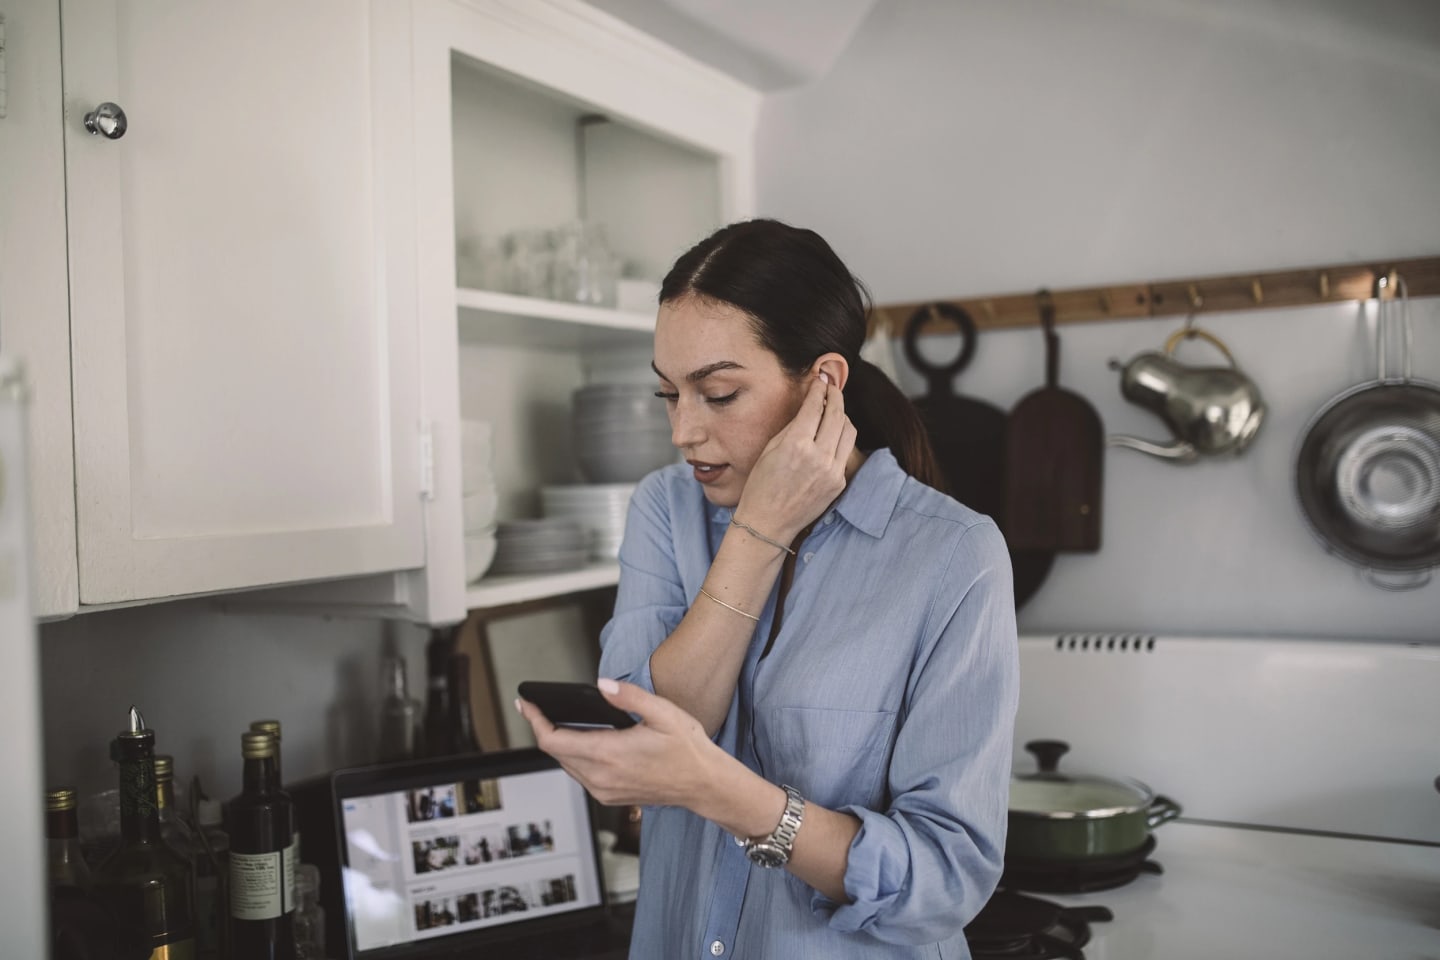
579 705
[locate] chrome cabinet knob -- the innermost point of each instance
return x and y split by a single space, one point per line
107 120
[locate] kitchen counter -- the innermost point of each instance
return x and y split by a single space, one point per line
1231 892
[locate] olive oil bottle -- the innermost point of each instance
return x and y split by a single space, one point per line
146 883
262 858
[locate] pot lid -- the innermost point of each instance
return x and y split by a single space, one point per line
1050 793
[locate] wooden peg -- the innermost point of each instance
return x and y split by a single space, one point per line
1257 291
1324 284
1196 301
989 307
1105 301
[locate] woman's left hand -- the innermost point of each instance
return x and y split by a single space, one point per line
665 759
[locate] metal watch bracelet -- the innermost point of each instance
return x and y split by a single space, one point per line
774 850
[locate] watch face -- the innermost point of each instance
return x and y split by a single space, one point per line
766 855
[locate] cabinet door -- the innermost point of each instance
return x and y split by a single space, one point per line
242 272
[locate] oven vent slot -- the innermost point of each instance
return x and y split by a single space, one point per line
1105 643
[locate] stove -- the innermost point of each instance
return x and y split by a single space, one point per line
1305 769
1013 925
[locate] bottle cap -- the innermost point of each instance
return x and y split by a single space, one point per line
209 814
271 727
256 746
164 766
61 798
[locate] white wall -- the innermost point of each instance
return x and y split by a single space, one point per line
200 676
1002 145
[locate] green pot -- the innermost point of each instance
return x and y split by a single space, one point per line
1059 816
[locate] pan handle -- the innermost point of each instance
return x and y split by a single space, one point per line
1397 583
1162 810
1046 305
941 375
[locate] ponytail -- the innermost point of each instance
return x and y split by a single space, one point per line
885 417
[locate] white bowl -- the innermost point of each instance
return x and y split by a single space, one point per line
479 509
479 554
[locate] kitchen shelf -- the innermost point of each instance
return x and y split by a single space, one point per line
512 320
505 591
1198 295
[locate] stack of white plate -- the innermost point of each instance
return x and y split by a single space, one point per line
479 498
539 546
600 508
622 432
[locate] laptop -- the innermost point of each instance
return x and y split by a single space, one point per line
486 855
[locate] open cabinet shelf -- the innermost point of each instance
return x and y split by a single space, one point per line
503 591
507 319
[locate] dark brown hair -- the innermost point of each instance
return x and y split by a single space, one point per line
803 302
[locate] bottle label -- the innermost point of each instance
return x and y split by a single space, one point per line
178 950
257 886
291 857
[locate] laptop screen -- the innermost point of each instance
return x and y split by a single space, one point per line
485 847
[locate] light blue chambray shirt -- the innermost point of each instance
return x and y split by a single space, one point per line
890 693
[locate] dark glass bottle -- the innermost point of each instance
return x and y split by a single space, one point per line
462 721
437 696
65 865
272 727
398 714
262 858
175 830
146 883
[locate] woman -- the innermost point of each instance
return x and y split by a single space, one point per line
819 643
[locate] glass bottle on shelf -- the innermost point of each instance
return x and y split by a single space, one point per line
262 864
462 722
65 866
437 692
175 829
212 882
309 915
399 714
145 882
272 727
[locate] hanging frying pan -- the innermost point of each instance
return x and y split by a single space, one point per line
968 437
1054 456
1368 471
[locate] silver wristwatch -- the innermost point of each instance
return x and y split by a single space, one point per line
774 850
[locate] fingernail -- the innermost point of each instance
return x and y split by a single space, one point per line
825 377
607 685
519 709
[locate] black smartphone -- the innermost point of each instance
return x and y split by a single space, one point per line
575 705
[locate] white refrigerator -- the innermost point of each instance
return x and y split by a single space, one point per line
23 908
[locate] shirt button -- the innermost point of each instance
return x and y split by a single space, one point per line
739 841
829 519
717 948
809 556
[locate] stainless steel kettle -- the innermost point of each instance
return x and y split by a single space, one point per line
1210 410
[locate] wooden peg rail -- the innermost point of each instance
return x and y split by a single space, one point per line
1202 295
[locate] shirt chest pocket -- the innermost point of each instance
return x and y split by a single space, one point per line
834 757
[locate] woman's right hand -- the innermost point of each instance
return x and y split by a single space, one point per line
802 469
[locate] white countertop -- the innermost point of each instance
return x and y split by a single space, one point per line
1230 893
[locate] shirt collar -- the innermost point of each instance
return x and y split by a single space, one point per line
869 499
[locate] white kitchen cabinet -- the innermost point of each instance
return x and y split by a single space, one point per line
242 295
508 101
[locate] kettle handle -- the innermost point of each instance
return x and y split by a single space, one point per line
1187 333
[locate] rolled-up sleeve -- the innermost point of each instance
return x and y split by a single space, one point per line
920 870
650 600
